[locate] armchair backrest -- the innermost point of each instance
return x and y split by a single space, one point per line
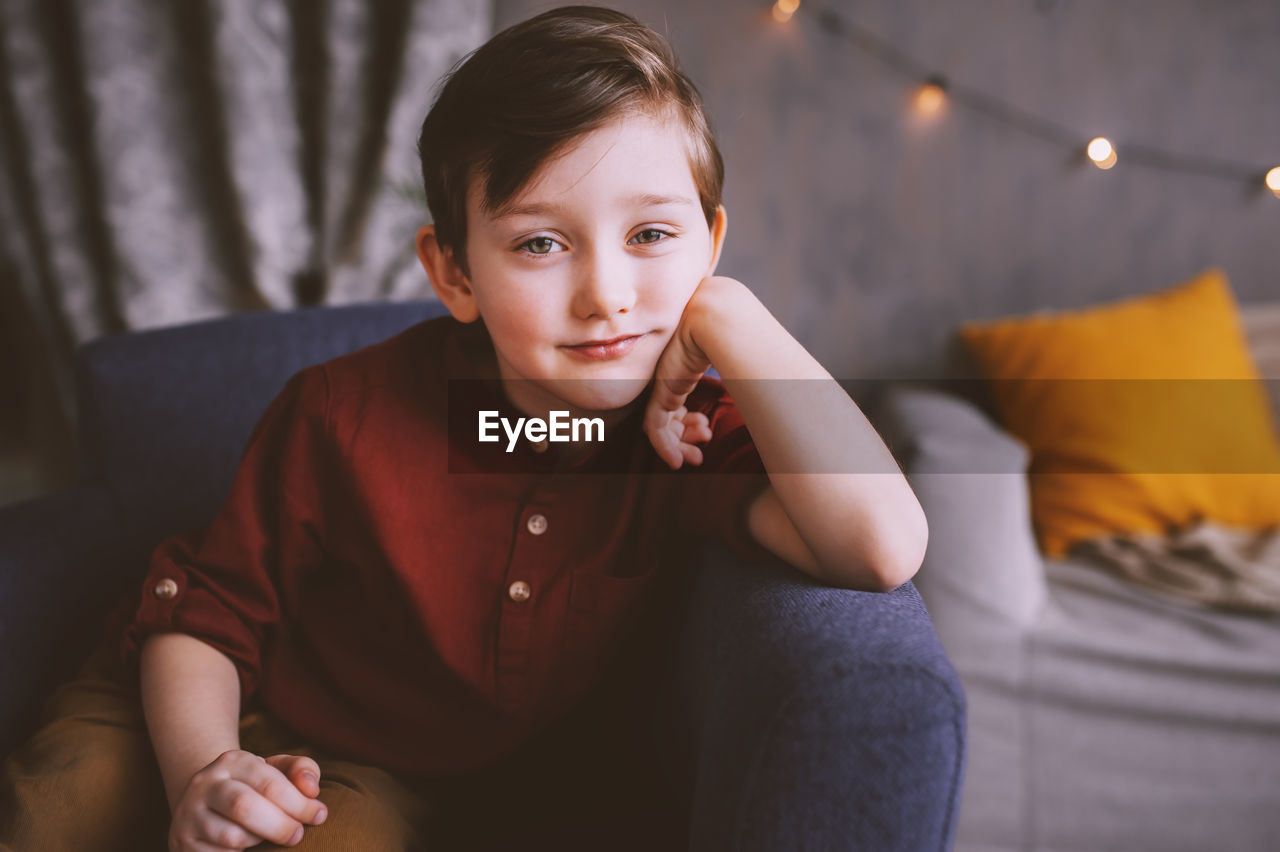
165 414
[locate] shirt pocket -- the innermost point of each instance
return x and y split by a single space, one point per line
603 611
591 594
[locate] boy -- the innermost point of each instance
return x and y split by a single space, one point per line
414 602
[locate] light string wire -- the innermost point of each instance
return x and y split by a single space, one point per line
1020 119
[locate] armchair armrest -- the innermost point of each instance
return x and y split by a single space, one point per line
970 477
62 561
804 716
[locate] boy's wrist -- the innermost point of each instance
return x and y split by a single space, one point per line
716 314
190 696
181 769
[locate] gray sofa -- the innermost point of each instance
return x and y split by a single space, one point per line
1101 717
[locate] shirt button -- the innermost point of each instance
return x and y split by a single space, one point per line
537 524
519 591
166 589
539 446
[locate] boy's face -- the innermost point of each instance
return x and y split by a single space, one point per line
616 248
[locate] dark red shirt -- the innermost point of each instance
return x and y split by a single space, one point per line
404 595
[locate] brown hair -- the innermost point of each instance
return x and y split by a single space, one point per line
531 90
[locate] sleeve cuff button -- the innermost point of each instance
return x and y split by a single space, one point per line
166 589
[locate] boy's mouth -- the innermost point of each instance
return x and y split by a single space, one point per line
604 350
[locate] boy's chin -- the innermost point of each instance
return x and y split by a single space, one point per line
599 394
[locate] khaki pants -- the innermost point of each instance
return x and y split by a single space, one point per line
87 780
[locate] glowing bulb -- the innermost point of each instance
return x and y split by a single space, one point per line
931 97
1273 181
1102 153
784 9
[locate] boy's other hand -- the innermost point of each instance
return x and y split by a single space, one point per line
241 799
671 428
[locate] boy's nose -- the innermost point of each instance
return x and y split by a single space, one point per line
604 288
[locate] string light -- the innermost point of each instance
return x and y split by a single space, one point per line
784 9
931 97
936 92
1272 180
1102 152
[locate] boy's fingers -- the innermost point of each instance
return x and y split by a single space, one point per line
666 446
690 431
223 833
253 811
202 846
303 771
671 448
272 783
697 427
673 431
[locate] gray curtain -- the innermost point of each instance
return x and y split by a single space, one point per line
165 161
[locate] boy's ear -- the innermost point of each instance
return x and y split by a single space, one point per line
718 228
451 285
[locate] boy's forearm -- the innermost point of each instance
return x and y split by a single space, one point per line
191 699
837 481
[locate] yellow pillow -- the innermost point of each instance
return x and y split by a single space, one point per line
1140 415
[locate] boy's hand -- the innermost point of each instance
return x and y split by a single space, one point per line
241 799
671 428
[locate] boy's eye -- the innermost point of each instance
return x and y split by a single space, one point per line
657 235
541 245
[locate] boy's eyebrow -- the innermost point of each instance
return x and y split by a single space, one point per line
647 199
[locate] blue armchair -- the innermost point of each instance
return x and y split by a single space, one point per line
788 715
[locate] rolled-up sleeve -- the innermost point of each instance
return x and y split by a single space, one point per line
716 494
223 583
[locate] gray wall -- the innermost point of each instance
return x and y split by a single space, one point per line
871 237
